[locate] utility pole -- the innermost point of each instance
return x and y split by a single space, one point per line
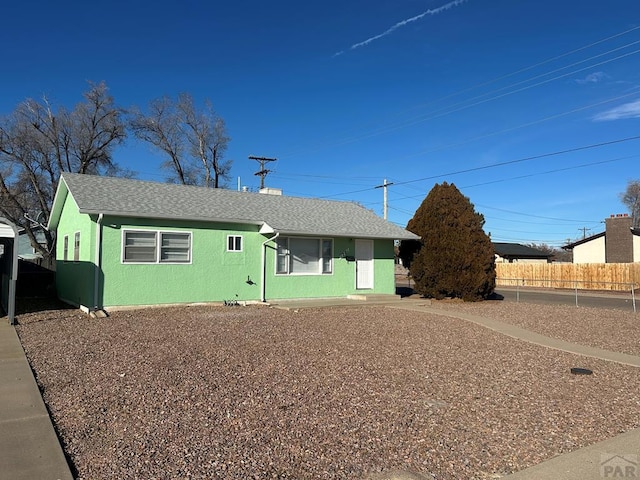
384 197
584 232
262 173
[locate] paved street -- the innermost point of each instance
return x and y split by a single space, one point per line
568 297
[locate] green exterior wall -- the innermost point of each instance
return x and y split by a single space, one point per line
75 280
214 275
341 282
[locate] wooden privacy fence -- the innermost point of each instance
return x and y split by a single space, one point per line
584 276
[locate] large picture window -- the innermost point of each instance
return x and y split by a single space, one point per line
304 256
149 246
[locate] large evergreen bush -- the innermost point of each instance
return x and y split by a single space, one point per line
456 257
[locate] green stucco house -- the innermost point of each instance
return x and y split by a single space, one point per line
123 242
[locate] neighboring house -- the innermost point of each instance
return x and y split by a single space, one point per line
8 267
124 242
25 249
517 253
619 243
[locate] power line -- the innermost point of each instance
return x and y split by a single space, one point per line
323 179
501 164
574 167
519 177
495 80
532 215
567 222
531 67
554 242
525 159
564 221
523 125
463 106
524 231
500 132
288 174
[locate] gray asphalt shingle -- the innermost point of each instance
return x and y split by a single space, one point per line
517 250
289 215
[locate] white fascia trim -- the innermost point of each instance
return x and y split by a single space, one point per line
266 229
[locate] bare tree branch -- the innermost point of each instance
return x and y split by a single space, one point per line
631 199
193 140
38 143
161 128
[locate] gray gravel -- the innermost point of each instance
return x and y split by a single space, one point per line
611 329
254 392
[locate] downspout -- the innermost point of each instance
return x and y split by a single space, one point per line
96 280
263 273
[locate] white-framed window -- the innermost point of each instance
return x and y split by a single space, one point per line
139 247
175 247
304 256
152 246
76 247
234 243
65 249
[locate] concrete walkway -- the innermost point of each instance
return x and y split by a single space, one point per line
29 447
529 336
617 457
348 301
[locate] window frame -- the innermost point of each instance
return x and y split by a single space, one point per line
321 258
158 246
76 247
235 238
161 246
65 248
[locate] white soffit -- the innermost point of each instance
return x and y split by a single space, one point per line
265 229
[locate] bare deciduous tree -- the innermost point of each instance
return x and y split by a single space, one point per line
161 128
631 198
207 135
37 144
559 255
194 140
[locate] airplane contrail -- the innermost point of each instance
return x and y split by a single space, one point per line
431 12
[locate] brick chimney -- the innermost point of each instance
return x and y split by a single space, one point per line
618 239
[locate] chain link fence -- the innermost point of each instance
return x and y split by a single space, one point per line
578 287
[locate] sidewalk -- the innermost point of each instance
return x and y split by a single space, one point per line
531 337
29 447
617 457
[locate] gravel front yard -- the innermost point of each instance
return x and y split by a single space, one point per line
255 392
617 330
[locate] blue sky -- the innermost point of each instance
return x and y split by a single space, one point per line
506 99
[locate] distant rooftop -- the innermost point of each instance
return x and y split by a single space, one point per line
516 250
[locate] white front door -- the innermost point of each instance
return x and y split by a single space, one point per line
364 264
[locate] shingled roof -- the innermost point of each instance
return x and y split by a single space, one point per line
516 250
287 215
